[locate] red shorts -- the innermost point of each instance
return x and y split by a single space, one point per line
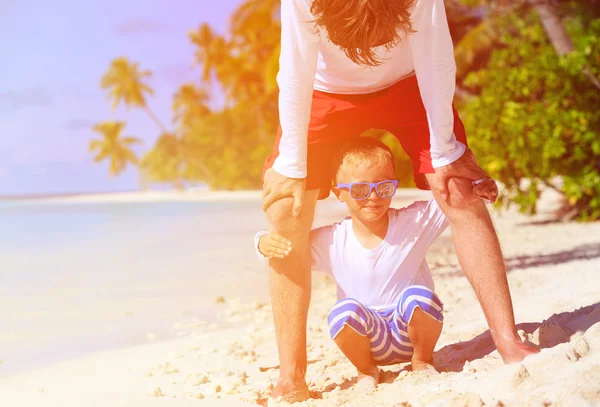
334 119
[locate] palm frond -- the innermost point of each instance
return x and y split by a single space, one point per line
95 145
130 140
476 43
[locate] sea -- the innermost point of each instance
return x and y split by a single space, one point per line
81 277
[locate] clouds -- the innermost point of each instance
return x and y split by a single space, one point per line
13 100
179 73
79 124
140 26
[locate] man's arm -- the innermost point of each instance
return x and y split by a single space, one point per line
297 66
435 67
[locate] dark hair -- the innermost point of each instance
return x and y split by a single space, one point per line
357 26
362 150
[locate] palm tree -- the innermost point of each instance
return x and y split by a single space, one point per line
211 52
190 111
163 162
124 83
113 147
481 39
557 34
190 104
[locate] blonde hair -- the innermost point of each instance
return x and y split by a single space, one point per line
357 26
362 151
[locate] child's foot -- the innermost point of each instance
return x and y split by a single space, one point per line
367 382
424 367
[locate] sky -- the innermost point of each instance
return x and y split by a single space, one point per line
54 54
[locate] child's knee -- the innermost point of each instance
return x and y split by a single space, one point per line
419 298
422 318
423 328
345 334
347 314
346 308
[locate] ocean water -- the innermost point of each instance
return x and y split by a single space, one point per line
81 277
76 278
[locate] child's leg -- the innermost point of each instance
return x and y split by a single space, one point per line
424 332
349 325
421 310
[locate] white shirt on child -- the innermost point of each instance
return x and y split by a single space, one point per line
377 277
309 60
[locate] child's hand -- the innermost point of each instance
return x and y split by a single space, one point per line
273 245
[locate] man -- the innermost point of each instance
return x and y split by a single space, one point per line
347 66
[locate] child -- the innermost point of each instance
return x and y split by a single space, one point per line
387 311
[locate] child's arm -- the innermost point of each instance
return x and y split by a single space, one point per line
433 222
269 245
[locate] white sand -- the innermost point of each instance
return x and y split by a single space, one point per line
553 274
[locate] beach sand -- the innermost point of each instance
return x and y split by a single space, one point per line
553 271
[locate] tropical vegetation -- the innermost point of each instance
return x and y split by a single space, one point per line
527 89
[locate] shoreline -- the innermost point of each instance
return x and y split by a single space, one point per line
179 196
138 196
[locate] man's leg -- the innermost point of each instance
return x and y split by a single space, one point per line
481 259
290 284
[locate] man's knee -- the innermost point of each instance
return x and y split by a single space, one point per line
461 195
293 228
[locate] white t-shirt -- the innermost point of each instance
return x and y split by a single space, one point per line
309 60
377 277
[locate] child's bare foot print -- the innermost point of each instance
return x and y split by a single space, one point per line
367 382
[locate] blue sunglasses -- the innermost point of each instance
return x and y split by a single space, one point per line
362 190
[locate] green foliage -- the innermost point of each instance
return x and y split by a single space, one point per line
224 148
403 164
113 147
124 83
535 120
531 116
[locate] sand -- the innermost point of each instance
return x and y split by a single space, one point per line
553 271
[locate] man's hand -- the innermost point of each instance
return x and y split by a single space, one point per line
277 186
466 167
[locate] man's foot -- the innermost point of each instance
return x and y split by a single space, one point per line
289 392
515 350
424 367
367 381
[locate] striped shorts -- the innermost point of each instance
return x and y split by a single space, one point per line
386 329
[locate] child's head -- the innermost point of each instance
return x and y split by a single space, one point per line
365 159
357 26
